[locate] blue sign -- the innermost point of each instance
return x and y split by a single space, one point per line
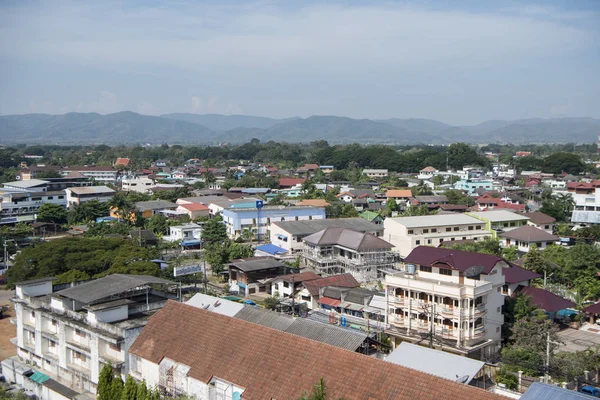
259 204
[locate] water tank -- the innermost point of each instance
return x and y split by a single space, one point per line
410 269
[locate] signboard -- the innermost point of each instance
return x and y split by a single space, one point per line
187 270
259 204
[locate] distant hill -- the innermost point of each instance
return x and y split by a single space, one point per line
129 127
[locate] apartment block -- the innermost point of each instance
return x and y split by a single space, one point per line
587 208
499 221
457 296
69 334
407 233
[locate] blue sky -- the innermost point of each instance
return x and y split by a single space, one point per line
461 64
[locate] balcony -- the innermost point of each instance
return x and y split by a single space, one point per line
479 332
469 288
79 368
78 346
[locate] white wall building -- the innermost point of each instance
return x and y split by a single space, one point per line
375 173
185 232
78 195
587 208
407 233
140 184
20 206
69 334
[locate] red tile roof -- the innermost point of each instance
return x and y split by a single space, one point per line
329 302
301 277
456 259
398 193
341 280
498 203
271 364
122 161
289 182
580 185
194 207
539 218
546 300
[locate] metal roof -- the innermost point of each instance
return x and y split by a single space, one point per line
215 304
27 183
303 228
435 220
345 338
91 189
499 216
265 318
154 205
110 285
34 281
256 264
435 362
529 234
349 238
544 391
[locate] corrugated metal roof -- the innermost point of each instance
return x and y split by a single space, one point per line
330 334
91 189
329 302
348 238
257 263
309 227
499 216
435 220
265 318
544 391
435 362
212 303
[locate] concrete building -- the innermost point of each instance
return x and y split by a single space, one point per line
375 173
335 251
154 207
140 184
541 221
456 295
527 236
587 208
407 233
239 219
427 173
97 173
499 221
187 233
69 334
78 195
200 353
289 234
471 185
22 206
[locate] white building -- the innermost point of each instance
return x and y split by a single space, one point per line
375 173
427 173
455 294
97 173
407 233
140 184
69 334
22 206
186 233
525 237
78 195
541 221
289 234
587 208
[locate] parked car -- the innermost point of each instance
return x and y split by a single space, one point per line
590 390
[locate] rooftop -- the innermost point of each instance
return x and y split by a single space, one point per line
517 274
154 205
211 303
309 227
194 207
91 190
351 239
28 183
529 234
456 259
261 357
256 264
341 280
436 220
545 300
539 218
499 216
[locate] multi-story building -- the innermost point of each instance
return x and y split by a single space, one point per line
140 184
289 234
259 220
97 173
335 251
472 185
375 173
22 206
499 221
407 233
69 334
456 296
78 195
587 208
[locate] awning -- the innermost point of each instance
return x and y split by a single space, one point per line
329 302
38 377
190 243
353 307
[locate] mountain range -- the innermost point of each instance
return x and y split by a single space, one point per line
129 128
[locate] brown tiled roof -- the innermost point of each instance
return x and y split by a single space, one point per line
301 277
545 300
529 234
517 274
398 193
271 364
359 241
314 202
341 280
539 218
289 182
456 259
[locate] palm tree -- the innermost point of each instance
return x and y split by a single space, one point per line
122 206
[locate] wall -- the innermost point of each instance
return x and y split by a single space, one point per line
108 315
34 289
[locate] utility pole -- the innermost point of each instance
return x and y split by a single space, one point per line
546 375
431 324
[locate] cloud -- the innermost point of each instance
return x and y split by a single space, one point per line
196 104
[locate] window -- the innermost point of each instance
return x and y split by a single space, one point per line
470 228
445 271
433 230
79 356
33 314
410 231
54 322
295 218
441 240
478 228
115 347
456 228
79 333
425 230
497 329
51 344
498 309
512 224
479 300
428 241
546 226
448 229
417 242
50 197
286 284
499 289
464 238
424 268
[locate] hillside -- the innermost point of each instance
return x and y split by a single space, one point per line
129 127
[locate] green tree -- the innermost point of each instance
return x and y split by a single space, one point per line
116 388
214 231
123 207
105 379
563 162
461 154
73 275
142 392
49 212
129 389
159 224
87 212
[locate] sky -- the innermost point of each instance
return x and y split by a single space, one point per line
460 62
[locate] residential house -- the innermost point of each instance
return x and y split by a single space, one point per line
254 275
79 195
488 202
314 288
122 162
541 221
585 188
270 250
455 294
359 307
498 221
335 251
376 173
290 285
308 168
407 233
470 186
516 277
71 333
287 183
289 234
372 217
350 196
398 194
427 173
546 300
522 154
259 220
154 207
194 210
187 234
432 202
183 351
526 236
327 169
587 208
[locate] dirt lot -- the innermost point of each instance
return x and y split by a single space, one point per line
7 330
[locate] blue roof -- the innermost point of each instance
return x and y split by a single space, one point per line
193 242
543 391
271 249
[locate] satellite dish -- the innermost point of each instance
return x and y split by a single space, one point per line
463 379
473 271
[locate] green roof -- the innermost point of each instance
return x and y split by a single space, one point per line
38 377
369 215
231 298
